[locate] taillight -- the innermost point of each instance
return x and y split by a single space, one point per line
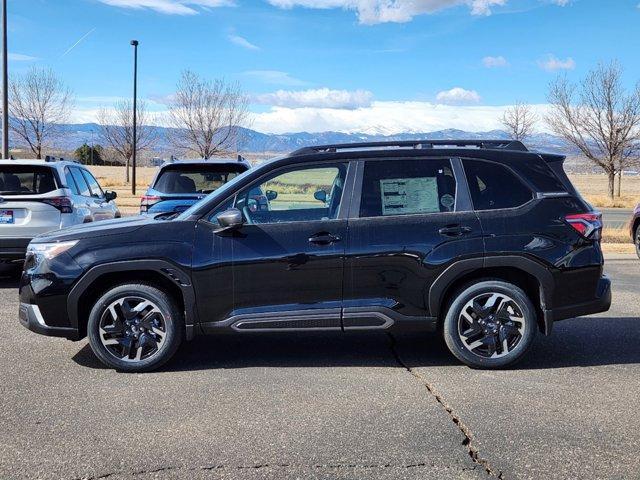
147 202
61 203
589 225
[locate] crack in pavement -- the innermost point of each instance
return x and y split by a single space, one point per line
472 450
266 465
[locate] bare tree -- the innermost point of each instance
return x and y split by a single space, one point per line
206 115
116 130
520 121
39 102
599 118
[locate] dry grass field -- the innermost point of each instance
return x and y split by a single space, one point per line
113 178
594 189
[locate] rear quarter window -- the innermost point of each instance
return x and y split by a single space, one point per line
494 186
538 172
26 180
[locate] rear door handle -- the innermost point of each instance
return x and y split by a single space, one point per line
454 230
324 238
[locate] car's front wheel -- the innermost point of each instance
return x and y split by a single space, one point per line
135 327
490 324
636 240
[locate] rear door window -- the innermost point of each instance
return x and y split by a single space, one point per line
405 187
189 179
83 187
26 180
494 186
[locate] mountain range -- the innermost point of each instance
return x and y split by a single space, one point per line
252 141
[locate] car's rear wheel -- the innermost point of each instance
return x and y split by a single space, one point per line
135 327
490 324
636 240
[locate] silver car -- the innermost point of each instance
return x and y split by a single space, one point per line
37 196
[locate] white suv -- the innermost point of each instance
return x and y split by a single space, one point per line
37 196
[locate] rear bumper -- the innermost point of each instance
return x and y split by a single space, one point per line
601 303
13 249
31 318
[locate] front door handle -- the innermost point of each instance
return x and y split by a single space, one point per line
324 238
454 230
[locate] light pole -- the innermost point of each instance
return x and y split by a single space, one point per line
5 85
135 113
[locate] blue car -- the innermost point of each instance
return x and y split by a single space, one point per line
178 184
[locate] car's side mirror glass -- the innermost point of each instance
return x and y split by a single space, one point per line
229 220
108 196
271 195
321 196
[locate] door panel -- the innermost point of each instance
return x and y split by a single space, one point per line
392 262
293 263
408 233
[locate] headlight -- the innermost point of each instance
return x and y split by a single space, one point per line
50 250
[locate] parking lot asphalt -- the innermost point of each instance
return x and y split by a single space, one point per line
329 406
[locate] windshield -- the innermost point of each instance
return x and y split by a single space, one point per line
26 180
181 179
220 193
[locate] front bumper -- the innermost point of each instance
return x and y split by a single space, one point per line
31 317
601 303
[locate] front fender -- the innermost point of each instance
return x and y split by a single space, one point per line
172 272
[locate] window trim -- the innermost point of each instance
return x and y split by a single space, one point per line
343 209
533 191
73 180
462 195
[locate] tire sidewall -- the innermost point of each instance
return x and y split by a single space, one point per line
450 326
172 319
636 240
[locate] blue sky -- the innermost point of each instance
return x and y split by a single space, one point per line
351 65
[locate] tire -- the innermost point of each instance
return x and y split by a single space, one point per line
636 240
129 346
476 332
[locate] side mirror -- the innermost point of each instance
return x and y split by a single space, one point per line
271 195
109 196
320 195
230 220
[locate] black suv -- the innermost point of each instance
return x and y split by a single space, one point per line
481 240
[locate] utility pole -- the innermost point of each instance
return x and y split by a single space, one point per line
5 85
135 112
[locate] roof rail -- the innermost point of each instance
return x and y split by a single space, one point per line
49 158
415 144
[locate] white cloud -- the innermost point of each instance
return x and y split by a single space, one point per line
169 7
19 57
276 77
493 62
385 117
551 63
319 98
457 96
242 42
399 11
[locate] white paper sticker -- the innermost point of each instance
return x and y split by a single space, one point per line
409 195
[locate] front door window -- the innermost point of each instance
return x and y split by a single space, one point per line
296 195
